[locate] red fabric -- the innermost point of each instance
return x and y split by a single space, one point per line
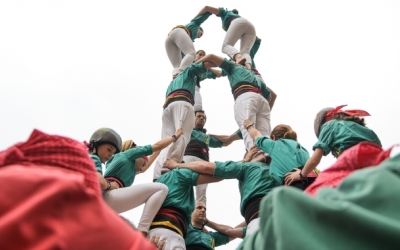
56 151
49 200
362 155
337 110
146 158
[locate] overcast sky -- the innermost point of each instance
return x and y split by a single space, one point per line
71 67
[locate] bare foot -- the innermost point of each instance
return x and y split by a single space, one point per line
239 59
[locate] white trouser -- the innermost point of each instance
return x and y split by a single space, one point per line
179 41
242 29
254 107
253 226
174 241
198 101
201 190
127 198
179 114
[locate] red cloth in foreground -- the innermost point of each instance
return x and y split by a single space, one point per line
49 200
362 155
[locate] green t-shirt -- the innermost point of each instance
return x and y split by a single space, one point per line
180 184
210 141
238 73
254 178
122 165
253 52
225 15
339 135
207 75
286 155
186 80
264 90
97 163
362 212
210 240
194 25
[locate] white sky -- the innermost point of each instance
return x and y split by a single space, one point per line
71 67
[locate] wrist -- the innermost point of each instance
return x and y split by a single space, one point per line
251 125
175 138
302 177
108 185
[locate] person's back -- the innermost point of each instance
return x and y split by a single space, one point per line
339 135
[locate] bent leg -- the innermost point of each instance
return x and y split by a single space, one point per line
185 44
173 52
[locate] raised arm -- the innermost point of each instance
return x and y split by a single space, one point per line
233 233
160 145
201 167
216 72
152 158
254 133
227 139
272 98
210 9
211 58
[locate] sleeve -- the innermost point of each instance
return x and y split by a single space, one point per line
239 133
227 65
135 153
223 73
200 19
116 169
220 239
196 69
222 12
229 170
264 90
214 143
97 163
188 177
264 143
210 75
325 139
244 232
254 50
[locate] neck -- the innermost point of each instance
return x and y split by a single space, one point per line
197 224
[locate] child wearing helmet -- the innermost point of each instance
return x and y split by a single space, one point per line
103 144
336 130
122 169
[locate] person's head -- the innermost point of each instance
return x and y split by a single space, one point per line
257 155
200 119
199 54
235 11
200 32
104 143
283 131
199 213
140 162
327 114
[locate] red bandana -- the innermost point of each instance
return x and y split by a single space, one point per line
337 110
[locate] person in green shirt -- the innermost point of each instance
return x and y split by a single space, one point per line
236 28
360 213
336 130
211 73
122 169
179 113
180 40
198 238
250 94
254 179
198 148
103 144
173 218
285 152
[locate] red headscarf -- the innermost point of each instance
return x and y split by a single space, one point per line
337 110
56 151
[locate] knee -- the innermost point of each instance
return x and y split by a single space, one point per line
163 188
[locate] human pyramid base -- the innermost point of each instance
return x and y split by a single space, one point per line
286 202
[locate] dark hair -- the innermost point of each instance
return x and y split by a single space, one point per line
283 131
345 117
235 11
200 50
201 111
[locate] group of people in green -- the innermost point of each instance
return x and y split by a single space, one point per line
273 176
